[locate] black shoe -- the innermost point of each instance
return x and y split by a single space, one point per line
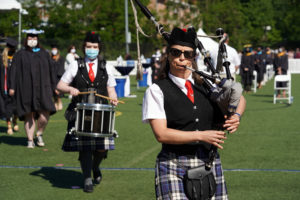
88 185
97 177
88 188
98 180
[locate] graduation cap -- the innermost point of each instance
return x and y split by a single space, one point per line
32 32
92 37
182 37
11 42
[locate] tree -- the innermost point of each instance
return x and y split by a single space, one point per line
261 23
287 21
227 15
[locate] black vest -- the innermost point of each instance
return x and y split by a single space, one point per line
184 115
82 82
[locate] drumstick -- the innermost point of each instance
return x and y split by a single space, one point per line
89 92
108 98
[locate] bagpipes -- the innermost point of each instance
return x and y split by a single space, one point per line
225 92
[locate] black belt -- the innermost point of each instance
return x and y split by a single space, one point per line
186 149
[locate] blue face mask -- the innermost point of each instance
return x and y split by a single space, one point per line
91 53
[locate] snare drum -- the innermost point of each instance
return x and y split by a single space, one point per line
95 120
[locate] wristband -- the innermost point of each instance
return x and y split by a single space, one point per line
238 114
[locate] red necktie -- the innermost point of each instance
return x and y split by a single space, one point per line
190 92
91 73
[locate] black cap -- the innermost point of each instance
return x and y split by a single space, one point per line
11 42
92 37
182 37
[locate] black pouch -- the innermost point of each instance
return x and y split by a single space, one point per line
199 183
70 113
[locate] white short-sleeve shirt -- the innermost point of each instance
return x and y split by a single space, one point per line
71 72
153 102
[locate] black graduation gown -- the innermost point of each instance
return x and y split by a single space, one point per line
2 97
7 103
247 62
34 81
260 66
59 66
283 63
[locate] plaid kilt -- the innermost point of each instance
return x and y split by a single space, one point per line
170 170
83 143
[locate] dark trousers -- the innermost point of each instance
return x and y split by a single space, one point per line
91 160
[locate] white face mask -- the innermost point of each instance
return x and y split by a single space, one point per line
73 50
54 52
32 43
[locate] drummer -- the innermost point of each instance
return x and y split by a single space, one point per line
83 75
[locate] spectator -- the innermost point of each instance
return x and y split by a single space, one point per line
297 53
233 58
291 53
71 56
155 64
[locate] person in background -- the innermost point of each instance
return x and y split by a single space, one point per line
128 57
297 53
260 66
71 56
8 103
59 63
182 118
247 68
233 58
33 84
291 54
84 75
269 56
281 68
155 64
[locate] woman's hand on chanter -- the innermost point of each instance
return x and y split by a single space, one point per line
213 137
232 123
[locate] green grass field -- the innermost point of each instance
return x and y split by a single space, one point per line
266 149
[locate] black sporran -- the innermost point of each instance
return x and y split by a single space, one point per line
199 183
70 113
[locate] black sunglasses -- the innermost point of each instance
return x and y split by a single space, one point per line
187 54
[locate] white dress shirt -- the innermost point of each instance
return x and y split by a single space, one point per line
71 72
232 56
153 102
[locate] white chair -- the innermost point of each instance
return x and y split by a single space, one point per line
254 81
270 71
283 78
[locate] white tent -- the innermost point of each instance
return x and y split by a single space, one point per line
14 5
10 5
